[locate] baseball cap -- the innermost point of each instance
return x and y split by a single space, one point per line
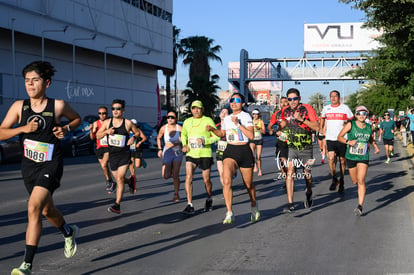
197 103
255 112
361 108
134 121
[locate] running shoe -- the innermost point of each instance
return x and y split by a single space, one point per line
309 201
70 242
132 184
23 269
358 210
188 210
116 208
143 163
108 185
112 188
334 183
391 154
208 206
176 198
388 161
229 219
341 188
255 216
290 208
322 161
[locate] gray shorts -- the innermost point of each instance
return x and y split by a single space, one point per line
301 159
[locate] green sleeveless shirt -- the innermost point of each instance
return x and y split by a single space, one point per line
360 151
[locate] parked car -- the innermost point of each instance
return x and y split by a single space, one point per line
78 141
151 134
90 118
10 150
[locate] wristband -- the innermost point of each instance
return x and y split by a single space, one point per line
68 127
159 149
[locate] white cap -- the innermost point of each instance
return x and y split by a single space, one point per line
134 121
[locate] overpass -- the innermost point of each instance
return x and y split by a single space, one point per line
290 69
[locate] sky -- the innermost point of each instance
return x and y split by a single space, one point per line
265 28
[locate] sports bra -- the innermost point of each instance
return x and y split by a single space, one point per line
168 138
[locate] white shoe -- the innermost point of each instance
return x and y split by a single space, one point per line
229 219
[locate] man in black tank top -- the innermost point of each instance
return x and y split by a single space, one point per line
117 130
42 163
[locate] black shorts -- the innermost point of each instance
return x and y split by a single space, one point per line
137 153
119 159
202 163
47 175
282 149
335 146
353 163
388 141
320 137
219 155
101 151
242 154
256 141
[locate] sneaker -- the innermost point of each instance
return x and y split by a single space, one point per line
229 219
108 185
70 242
115 209
143 163
391 154
255 216
358 210
132 184
341 188
387 161
23 269
334 183
309 201
176 198
189 210
208 205
322 161
290 208
112 188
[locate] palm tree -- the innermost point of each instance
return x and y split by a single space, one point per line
170 72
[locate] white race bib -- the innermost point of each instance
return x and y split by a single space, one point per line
38 151
116 140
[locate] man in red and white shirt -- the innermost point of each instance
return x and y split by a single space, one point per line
335 116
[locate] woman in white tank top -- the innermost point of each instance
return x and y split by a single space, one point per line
171 154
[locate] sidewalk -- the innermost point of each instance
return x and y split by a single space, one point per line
410 150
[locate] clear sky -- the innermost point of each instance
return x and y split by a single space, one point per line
265 28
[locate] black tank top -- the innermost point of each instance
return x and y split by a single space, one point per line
117 142
42 145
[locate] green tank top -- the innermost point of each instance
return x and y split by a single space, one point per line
360 151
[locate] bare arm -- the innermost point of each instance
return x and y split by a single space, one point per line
12 117
63 109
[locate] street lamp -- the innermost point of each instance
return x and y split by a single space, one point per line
105 50
132 75
73 54
43 38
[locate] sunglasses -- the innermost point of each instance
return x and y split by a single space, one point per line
362 113
102 113
235 100
170 117
116 108
293 98
386 114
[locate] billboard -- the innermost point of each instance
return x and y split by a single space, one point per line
339 37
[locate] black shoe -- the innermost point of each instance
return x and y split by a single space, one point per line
341 188
116 208
334 183
208 206
189 210
358 210
290 207
309 200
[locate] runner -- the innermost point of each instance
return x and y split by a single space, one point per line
387 129
256 144
221 145
39 119
299 119
197 142
102 148
136 156
359 136
172 154
117 129
336 115
238 129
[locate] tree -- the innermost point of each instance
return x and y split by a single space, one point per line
392 65
197 51
317 101
170 72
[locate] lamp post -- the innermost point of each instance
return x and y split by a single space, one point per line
133 74
105 50
74 56
43 38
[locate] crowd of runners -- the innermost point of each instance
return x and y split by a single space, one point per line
345 138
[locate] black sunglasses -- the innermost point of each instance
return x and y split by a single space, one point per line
361 113
170 117
116 108
386 114
293 98
102 113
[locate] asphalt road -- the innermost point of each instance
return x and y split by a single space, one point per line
152 236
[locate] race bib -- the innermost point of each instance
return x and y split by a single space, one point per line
104 141
257 135
360 149
116 140
38 151
221 145
283 137
234 135
196 142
